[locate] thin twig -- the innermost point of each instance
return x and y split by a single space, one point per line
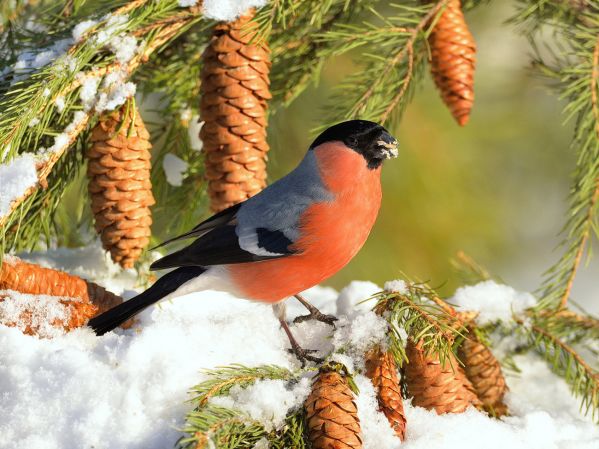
404 84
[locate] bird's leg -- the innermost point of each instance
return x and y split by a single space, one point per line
301 353
314 314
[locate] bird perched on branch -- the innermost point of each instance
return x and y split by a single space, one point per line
294 234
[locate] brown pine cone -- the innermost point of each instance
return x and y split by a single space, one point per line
33 318
443 388
331 413
234 94
382 371
90 299
453 56
119 184
484 372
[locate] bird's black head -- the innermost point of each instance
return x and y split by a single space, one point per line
369 139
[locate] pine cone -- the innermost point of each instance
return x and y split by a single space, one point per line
90 299
235 88
484 372
119 185
29 315
443 388
382 371
453 56
331 413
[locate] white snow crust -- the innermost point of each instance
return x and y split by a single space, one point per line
225 9
128 389
174 169
493 301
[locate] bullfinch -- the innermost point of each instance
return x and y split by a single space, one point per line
297 232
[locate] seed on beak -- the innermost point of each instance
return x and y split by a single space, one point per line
389 149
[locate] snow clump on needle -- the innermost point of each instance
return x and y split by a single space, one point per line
226 10
174 169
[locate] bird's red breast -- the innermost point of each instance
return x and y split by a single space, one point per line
331 232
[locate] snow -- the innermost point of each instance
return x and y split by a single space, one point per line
124 47
87 93
493 301
16 176
114 25
59 103
174 169
128 389
358 334
112 93
195 125
187 3
397 286
81 28
376 431
353 296
225 9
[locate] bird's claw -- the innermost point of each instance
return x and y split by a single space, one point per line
318 316
304 354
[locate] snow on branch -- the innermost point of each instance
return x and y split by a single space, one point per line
127 57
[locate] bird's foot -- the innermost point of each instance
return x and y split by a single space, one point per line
303 355
314 314
318 316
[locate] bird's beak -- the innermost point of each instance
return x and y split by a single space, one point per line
388 146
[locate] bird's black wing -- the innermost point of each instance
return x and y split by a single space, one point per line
221 246
221 218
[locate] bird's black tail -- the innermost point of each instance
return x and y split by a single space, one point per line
168 283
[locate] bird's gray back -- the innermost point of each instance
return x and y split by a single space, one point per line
281 205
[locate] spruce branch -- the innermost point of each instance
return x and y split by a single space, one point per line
574 73
414 313
565 362
221 380
208 424
221 428
37 94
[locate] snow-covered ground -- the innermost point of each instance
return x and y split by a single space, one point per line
128 389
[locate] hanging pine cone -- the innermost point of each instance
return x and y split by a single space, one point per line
433 385
382 371
235 88
87 299
484 372
453 56
119 184
331 413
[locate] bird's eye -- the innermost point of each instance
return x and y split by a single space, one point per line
352 141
